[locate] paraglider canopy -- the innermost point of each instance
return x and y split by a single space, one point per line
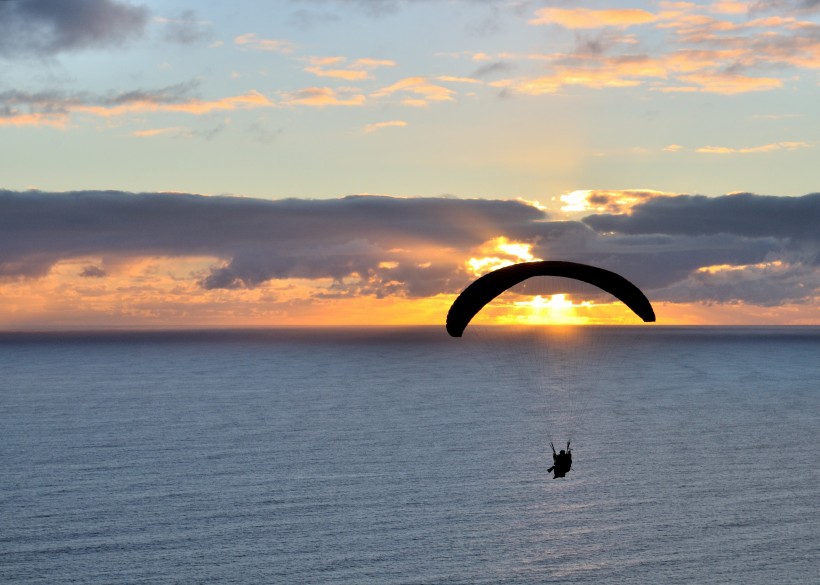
489 286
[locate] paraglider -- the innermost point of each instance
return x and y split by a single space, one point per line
489 286
485 289
561 462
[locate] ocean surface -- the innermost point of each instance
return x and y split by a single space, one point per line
405 456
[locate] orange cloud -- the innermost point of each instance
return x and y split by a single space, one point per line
320 97
379 125
347 74
423 91
585 18
157 132
754 149
726 84
729 7
456 79
35 119
358 70
367 63
160 293
594 72
251 99
711 40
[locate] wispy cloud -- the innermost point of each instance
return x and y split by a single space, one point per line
56 108
185 29
151 132
252 42
320 97
422 92
357 70
775 146
370 128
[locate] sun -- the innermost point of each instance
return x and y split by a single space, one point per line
556 309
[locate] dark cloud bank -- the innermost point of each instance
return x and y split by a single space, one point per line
417 246
45 28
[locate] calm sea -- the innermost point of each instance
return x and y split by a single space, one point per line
405 456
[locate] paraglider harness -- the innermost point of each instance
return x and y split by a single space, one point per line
562 462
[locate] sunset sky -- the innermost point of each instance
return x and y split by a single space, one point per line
349 162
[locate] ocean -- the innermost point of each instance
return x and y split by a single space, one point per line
404 456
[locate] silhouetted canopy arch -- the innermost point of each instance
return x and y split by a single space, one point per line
483 290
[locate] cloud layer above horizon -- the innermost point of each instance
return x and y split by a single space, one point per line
740 248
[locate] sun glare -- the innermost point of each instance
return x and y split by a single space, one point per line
553 309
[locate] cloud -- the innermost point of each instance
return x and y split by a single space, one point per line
44 28
724 83
308 19
609 201
421 90
494 68
186 29
712 48
729 7
593 71
179 132
252 42
93 272
320 97
581 18
356 71
741 214
372 240
679 248
52 108
754 149
765 284
370 128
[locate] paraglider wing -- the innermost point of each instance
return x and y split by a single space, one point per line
485 289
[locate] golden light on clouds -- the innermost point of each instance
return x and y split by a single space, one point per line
57 120
719 268
197 107
586 18
423 91
151 293
606 201
727 84
320 97
498 253
358 70
729 7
